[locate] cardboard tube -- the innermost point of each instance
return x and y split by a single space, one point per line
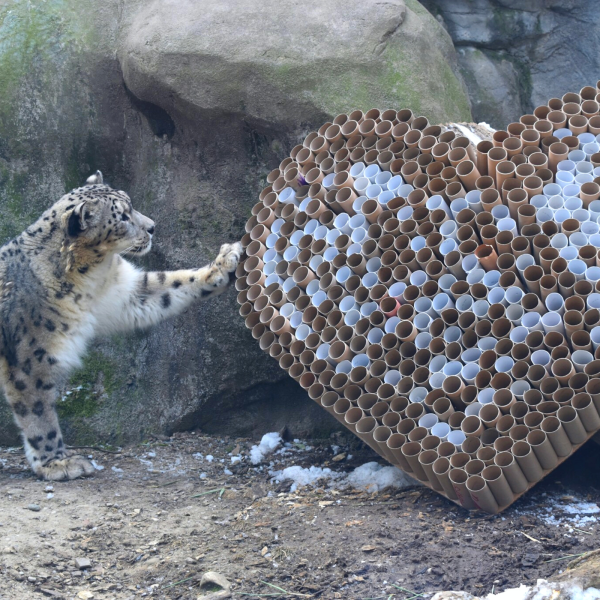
553 428
494 157
586 411
411 451
498 484
543 449
441 470
572 424
487 257
394 444
557 152
427 459
528 461
481 494
458 479
512 471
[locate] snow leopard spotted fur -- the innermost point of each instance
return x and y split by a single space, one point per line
64 281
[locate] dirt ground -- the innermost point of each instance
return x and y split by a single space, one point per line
159 515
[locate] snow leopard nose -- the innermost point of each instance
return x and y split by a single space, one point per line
150 230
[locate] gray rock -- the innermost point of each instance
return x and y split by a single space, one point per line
535 51
187 106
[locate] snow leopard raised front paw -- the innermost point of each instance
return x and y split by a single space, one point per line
229 258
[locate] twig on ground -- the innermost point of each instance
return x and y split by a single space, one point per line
94 448
530 538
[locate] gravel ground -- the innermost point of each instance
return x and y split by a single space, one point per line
157 516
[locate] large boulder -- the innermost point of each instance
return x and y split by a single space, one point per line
187 106
515 55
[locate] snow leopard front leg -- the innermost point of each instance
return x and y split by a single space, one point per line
33 401
158 295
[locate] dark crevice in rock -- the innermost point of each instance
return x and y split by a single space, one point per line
158 118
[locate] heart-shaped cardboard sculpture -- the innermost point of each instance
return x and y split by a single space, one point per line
440 299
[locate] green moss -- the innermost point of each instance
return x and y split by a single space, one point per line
88 386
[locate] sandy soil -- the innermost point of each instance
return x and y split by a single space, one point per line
159 515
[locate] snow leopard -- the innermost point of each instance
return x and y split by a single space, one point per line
65 280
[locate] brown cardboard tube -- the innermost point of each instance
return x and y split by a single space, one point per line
394 444
487 454
572 424
490 198
481 494
472 426
504 170
352 415
498 484
553 428
543 449
527 460
427 459
512 471
556 153
586 411
471 446
453 386
458 479
593 389
441 470
487 257
502 444
532 276
411 451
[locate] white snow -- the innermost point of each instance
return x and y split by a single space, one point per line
268 443
209 458
235 459
374 477
371 477
227 472
97 466
301 476
567 512
542 590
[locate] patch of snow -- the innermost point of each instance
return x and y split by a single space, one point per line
567 513
235 459
117 470
227 472
209 457
97 466
542 590
202 475
301 476
371 477
374 477
581 508
268 443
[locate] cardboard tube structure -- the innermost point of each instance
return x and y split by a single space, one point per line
442 301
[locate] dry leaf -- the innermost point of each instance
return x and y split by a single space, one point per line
264 551
324 503
353 523
368 548
85 595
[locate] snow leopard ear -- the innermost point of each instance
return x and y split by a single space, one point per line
77 219
95 178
